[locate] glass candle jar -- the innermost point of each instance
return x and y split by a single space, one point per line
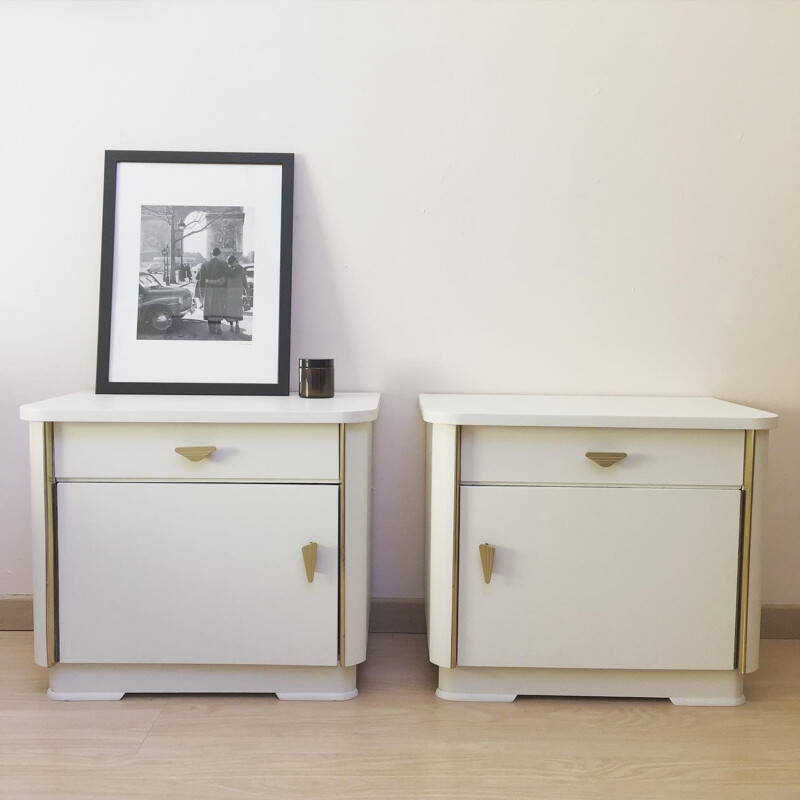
316 377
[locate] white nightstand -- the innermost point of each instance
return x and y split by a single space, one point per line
594 546
201 544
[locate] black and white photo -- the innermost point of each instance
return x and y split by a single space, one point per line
196 273
190 229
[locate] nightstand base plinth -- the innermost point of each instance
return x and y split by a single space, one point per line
503 684
112 681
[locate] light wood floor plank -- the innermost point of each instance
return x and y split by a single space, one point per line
397 740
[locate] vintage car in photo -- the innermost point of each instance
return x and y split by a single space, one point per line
159 305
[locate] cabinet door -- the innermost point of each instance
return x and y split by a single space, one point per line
196 573
599 577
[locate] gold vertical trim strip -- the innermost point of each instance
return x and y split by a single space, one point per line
51 568
342 545
746 537
456 529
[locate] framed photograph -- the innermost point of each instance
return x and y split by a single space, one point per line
186 237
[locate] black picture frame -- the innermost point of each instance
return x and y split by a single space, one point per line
132 355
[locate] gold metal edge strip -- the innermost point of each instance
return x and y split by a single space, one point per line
342 544
456 529
746 537
51 567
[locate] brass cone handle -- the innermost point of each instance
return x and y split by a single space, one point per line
487 561
195 453
310 560
606 459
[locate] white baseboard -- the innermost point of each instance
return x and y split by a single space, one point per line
397 615
780 622
16 612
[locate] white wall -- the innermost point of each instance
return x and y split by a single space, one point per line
589 197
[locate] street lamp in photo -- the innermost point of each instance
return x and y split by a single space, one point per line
164 253
181 228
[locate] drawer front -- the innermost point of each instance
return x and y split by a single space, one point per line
511 455
145 451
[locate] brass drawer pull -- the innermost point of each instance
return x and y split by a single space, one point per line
310 560
487 561
195 453
606 459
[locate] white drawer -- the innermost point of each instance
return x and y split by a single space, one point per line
517 455
146 451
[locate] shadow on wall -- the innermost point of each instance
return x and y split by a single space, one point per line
319 324
322 327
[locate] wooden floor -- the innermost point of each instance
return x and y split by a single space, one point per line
397 740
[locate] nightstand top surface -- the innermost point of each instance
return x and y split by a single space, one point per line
584 411
345 407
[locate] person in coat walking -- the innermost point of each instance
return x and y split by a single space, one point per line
211 291
234 290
